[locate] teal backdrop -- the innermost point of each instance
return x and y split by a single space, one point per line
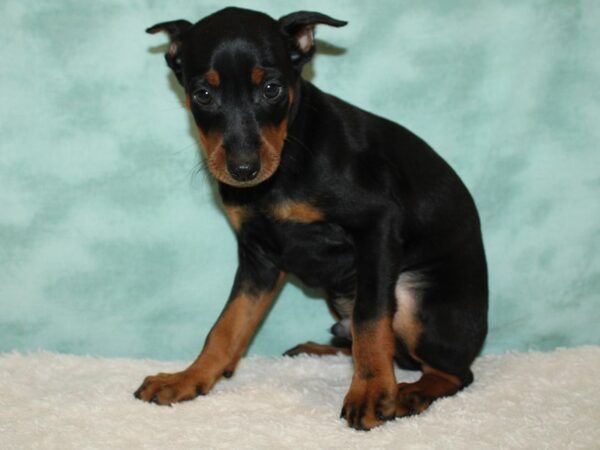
112 241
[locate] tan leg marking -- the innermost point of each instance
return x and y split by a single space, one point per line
224 347
371 399
312 348
414 398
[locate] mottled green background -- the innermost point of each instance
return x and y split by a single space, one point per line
111 242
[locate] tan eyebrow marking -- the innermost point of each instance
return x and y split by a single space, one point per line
257 75
213 78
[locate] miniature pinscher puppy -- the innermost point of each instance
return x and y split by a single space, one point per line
347 201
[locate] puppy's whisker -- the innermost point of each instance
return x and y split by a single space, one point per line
200 171
180 150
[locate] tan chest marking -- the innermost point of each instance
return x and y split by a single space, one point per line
236 215
302 212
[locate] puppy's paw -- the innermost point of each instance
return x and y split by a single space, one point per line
168 388
369 403
411 400
414 398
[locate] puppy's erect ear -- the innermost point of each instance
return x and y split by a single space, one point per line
300 28
175 29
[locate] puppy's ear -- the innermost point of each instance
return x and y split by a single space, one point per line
300 28
175 29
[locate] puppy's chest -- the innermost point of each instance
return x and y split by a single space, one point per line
319 253
307 244
277 214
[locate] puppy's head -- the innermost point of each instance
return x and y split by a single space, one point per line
239 69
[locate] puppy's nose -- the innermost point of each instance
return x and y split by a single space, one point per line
245 171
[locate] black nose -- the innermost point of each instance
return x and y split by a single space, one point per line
246 171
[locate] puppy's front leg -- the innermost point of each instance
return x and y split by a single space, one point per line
253 292
372 395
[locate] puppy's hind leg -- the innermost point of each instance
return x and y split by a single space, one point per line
341 343
312 348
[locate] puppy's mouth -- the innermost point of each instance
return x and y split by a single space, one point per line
269 162
272 141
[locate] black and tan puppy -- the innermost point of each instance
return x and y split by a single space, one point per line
347 201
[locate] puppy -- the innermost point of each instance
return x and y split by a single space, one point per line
347 201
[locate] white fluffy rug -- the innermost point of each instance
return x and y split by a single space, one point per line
522 400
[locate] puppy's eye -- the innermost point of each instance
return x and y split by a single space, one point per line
202 97
272 91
